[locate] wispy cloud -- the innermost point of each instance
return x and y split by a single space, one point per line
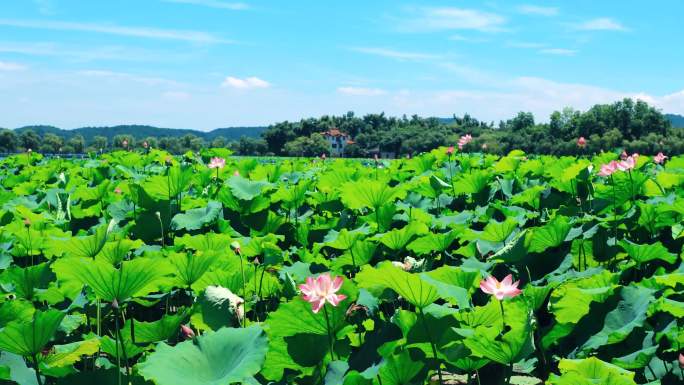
9 66
525 44
213 4
538 10
601 24
450 18
85 54
361 91
144 32
559 51
394 54
246 83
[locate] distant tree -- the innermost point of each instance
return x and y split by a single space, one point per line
218 142
307 146
8 140
51 143
123 142
151 141
76 144
29 140
521 121
99 143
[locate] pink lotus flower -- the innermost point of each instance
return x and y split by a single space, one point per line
27 222
681 361
581 142
323 156
322 289
627 164
124 143
484 146
217 163
117 191
504 289
608 169
236 173
660 158
624 155
465 139
375 156
145 144
450 150
187 332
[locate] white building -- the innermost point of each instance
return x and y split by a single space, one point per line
337 141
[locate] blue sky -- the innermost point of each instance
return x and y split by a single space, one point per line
215 63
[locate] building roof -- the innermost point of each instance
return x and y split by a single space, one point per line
334 132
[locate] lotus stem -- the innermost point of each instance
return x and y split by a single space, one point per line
330 337
37 370
503 318
432 345
244 291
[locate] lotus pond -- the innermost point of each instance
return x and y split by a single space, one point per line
452 268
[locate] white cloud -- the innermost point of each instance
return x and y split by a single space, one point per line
361 91
83 54
213 4
525 44
601 24
451 18
144 32
9 66
538 10
394 54
246 83
559 51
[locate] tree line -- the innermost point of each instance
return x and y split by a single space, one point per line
628 124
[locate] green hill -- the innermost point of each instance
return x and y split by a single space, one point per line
141 131
676 120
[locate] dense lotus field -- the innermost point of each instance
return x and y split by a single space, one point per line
452 268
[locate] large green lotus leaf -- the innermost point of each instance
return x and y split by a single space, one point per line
15 310
296 317
516 344
190 267
28 338
202 243
345 239
218 358
84 246
666 305
69 354
136 277
245 189
397 239
571 300
400 369
13 367
27 280
472 183
552 234
433 243
160 330
636 360
167 187
369 194
631 312
115 251
226 273
645 253
195 219
497 232
590 371
453 283
411 287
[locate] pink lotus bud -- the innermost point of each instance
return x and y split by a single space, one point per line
187 332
